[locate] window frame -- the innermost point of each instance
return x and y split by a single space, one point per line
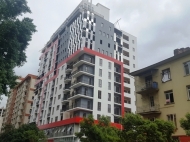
169 97
188 92
188 67
168 73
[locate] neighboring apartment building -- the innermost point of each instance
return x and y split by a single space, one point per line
163 89
2 112
84 70
19 102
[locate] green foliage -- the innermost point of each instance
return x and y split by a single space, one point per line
185 124
15 34
135 128
101 132
25 133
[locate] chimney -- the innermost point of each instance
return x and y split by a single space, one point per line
181 50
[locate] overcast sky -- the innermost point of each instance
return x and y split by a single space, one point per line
159 25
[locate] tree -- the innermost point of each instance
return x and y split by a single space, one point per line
25 133
185 124
100 132
135 128
15 34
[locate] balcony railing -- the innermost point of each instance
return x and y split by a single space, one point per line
81 105
86 81
117 112
116 100
147 109
83 70
82 93
50 104
147 88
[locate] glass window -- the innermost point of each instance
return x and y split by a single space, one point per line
109 85
100 72
99 94
109 108
187 67
109 65
169 97
100 62
109 96
102 24
188 92
109 75
166 75
100 83
100 32
99 106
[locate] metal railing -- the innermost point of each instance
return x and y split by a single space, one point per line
82 93
148 108
147 85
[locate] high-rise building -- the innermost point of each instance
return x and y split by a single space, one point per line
163 90
2 112
84 69
19 101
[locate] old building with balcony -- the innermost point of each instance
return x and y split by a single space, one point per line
163 90
84 69
19 101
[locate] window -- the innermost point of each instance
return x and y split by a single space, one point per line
57 107
109 75
134 57
110 54
166 75
56 118
134 49
172 118
109 96
169 97
53 111
98 116
100 72
107 35
54 100
109 108
188 92
133 41
109 85
104 34
59 96
100 41
107 53
133 65
99 106
100 83
102 24
100 62
112 37
98 49
99 94
102 51
109 28
109 45
109 65
60 86
187 67
126 37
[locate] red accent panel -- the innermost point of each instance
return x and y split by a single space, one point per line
184 138
27 114
71 121
50 140
61 123
29 101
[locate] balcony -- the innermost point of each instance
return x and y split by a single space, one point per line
40 117
80 94
50 104
147 88
84 82
67 79
48 115
82 71
37 103
18 119
36 111
65 98
147 109
51 95
68 69
76 107
85 60
117 80
117 100
66 88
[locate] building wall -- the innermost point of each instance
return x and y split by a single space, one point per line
177 84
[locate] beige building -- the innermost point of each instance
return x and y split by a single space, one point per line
163 89
2 112
19 101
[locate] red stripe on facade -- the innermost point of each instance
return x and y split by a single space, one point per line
122 91
75 120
